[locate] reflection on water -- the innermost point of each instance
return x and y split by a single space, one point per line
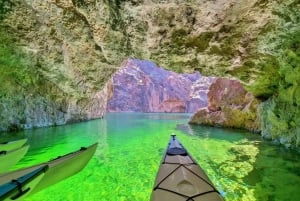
130 147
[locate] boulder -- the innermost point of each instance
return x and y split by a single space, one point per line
229 105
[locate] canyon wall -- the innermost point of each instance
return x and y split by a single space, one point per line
64 51
142 86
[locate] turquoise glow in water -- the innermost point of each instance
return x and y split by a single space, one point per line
130 147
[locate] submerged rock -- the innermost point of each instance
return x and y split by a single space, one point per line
229 105
142 86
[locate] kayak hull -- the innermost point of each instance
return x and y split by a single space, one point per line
181 178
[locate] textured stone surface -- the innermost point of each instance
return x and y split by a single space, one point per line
142 86
229 105
77 45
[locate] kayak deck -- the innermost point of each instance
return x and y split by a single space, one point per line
181 178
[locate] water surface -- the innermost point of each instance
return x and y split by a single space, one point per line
131 145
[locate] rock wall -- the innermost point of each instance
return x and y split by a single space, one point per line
65 78
78 44
25 111
142 86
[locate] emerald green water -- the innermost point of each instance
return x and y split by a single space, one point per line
130 147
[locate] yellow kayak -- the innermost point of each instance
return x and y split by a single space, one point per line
181 178
57 169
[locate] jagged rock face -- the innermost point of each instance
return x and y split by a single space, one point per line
229 105
141 86
78 44
64 56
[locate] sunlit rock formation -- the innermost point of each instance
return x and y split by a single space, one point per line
229 105
142 86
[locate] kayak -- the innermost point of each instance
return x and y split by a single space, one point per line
58 169
17 189
10 158
180 177
11 145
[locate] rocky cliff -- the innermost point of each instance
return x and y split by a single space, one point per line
142 86
72 47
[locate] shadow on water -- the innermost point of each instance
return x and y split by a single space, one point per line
276 174
250 168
